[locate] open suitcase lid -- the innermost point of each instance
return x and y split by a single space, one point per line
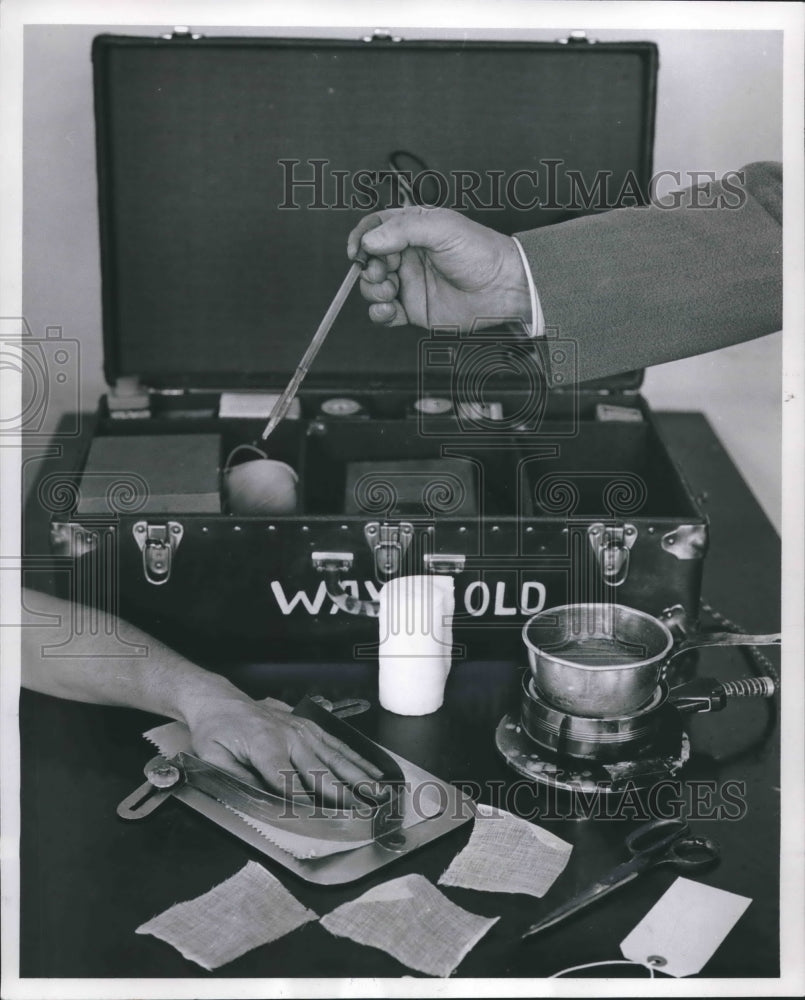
211 279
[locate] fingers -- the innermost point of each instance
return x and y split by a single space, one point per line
388 314
219 756
351 775
332 768
265 746
379 268
380 291
380 286
335 745
395 229
317 776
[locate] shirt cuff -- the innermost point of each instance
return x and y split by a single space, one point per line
537 326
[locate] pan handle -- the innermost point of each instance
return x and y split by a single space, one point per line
700 639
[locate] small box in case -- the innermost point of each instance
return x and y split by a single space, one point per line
414 488
166 472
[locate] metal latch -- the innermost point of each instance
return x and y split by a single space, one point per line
332 565
389 543
611 544
442 562
157 542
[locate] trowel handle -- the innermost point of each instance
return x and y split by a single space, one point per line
700 639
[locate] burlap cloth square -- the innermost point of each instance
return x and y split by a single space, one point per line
247 910
411 920
508 854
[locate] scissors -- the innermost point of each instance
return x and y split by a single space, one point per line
660 842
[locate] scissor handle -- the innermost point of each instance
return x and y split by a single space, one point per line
690 853
656 836
670 842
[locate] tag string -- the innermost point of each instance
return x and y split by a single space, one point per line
595 965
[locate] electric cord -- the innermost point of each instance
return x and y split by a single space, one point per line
760 664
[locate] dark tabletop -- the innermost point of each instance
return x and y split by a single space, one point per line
90 879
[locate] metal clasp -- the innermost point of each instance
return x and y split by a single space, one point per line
332 565
611 544
442 562
389 543
157 542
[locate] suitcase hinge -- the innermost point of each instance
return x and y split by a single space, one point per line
157 542
611 544
576 37
382 35
181 32
389 543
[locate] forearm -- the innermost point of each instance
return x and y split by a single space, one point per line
153 678
642 286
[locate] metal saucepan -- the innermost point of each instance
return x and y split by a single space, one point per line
602 660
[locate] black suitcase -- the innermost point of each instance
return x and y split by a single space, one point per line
230 172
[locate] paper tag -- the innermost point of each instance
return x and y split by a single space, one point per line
682 931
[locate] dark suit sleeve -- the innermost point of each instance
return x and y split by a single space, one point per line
641 286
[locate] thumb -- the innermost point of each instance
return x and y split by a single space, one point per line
395 229
366 223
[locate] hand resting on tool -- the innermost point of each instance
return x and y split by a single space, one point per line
261 742
291 755
433 267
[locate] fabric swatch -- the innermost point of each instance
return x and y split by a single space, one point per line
245 911
507 854
412 921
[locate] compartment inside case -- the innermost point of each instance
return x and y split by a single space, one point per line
389 461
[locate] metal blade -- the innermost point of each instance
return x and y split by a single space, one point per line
301 847
617 877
